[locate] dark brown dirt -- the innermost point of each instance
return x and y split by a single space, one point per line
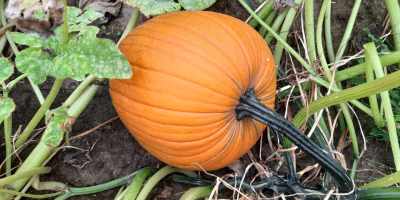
115 153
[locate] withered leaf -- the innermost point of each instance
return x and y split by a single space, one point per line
26 13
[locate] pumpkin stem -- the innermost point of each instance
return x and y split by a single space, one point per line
249 106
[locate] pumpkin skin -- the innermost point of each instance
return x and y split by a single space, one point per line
190 69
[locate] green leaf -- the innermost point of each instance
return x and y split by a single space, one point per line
79 22
6 69
7 106
58 121
357 80
394 104
379 134
196 4
95 56
39 64
32 40
394 94
376 40
155 7
83 54
40 14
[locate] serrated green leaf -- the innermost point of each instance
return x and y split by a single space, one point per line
56 126
39 64
196 4
78 23
83 54
32 40
73 12
6 69
89 31
39 14
155 7
376 40
96 56
7 106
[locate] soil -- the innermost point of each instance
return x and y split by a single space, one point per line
111 152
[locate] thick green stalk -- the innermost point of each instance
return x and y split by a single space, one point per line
25 174
285 31
359 69
34 160
64 26
7 138
379 85
328 75
262 13
302 61
40 113
373 102
120 191
372 54
328 34
275 26
131 24
379 193
7 134
158 176
263 31
310 36
34 196
78 91
331 56
340 52
320 47
11 84
196 193
349 29
394 14
64 196
83 100
71 191
137 183
383 182
47 185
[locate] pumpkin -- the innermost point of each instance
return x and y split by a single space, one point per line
190 69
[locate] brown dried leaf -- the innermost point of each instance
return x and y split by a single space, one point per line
237 167
280 5
21 12
103 7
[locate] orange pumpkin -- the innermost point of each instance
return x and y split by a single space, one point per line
190 69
